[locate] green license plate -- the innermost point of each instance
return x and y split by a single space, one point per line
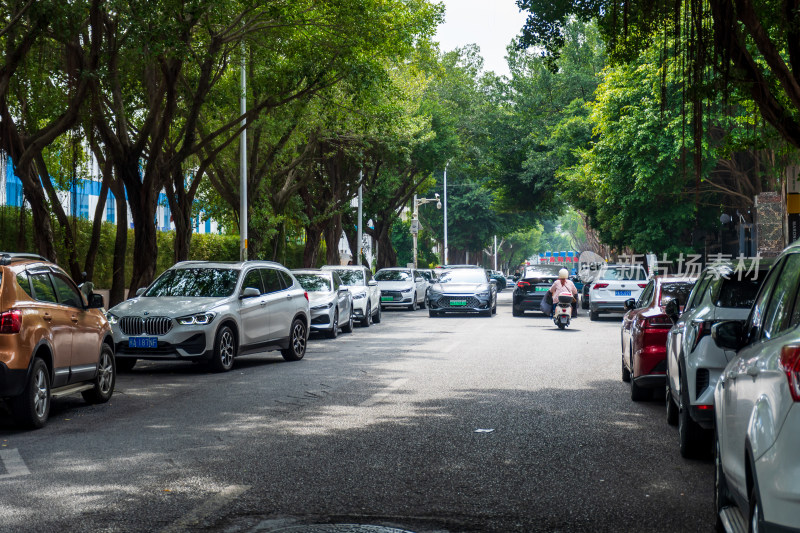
457 303
387 298
542 289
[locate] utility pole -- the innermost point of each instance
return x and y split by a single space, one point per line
495 252
415 228
359 244
243 166
445 212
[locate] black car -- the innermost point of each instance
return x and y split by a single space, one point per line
462 290
532 286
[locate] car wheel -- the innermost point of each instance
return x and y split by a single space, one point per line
516 311
487 312
672 407
334 331
367 320
348 327
105 380
722 497
584 303
494 308
593 315
690 433
297 341
124 364
32 407
413 306
224 350
626 374
377 318
422 304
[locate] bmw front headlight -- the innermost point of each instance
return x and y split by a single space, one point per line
200 319
112 319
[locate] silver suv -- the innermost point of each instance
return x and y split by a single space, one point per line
213 312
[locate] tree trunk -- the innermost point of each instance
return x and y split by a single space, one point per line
42 228
143 200
387 257
97 226
333 233
117 294
313 240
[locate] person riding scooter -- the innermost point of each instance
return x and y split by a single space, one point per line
564 284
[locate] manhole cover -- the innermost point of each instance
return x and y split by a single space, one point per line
340 528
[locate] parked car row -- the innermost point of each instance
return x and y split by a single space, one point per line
56 338
728 356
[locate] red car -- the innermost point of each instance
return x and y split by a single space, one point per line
644 334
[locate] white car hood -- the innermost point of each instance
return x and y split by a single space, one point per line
460 288
169 306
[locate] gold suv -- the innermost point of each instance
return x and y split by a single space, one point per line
54 339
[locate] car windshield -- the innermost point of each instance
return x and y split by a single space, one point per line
351 276
314 282
463 275
195 282
676 291
623 273
425 274
739 292
392 275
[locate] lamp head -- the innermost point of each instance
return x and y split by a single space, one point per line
438 204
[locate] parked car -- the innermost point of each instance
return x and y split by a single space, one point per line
213 312
510 282
757 408
614 285
365 291
532 286
644 334
463 290
401 287
428 273
694 362
499 278
54 339
329 300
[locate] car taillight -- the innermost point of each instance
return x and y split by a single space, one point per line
306 295
642 285
659 321
523 284
703 330
600 285
10 321
790 364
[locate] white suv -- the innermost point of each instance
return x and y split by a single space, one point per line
213 312
614 285
365 291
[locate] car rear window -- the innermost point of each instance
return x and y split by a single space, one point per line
676 291
623 273
739 293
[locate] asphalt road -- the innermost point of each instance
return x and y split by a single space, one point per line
377 427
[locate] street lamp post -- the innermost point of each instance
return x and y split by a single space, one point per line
415 219
445 212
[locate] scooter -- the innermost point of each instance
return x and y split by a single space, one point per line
563 310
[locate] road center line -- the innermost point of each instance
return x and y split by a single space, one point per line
379 396
193 518
13 463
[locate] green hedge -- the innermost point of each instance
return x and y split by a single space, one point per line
204 247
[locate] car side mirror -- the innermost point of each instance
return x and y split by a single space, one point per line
140 291
672 310
728 334
249 292
372 283
96 301
630 303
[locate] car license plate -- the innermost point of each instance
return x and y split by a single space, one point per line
143 342
387 298
622 293
542 289
457 303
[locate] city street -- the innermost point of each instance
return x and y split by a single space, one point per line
452 424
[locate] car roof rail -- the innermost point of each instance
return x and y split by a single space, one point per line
6 258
